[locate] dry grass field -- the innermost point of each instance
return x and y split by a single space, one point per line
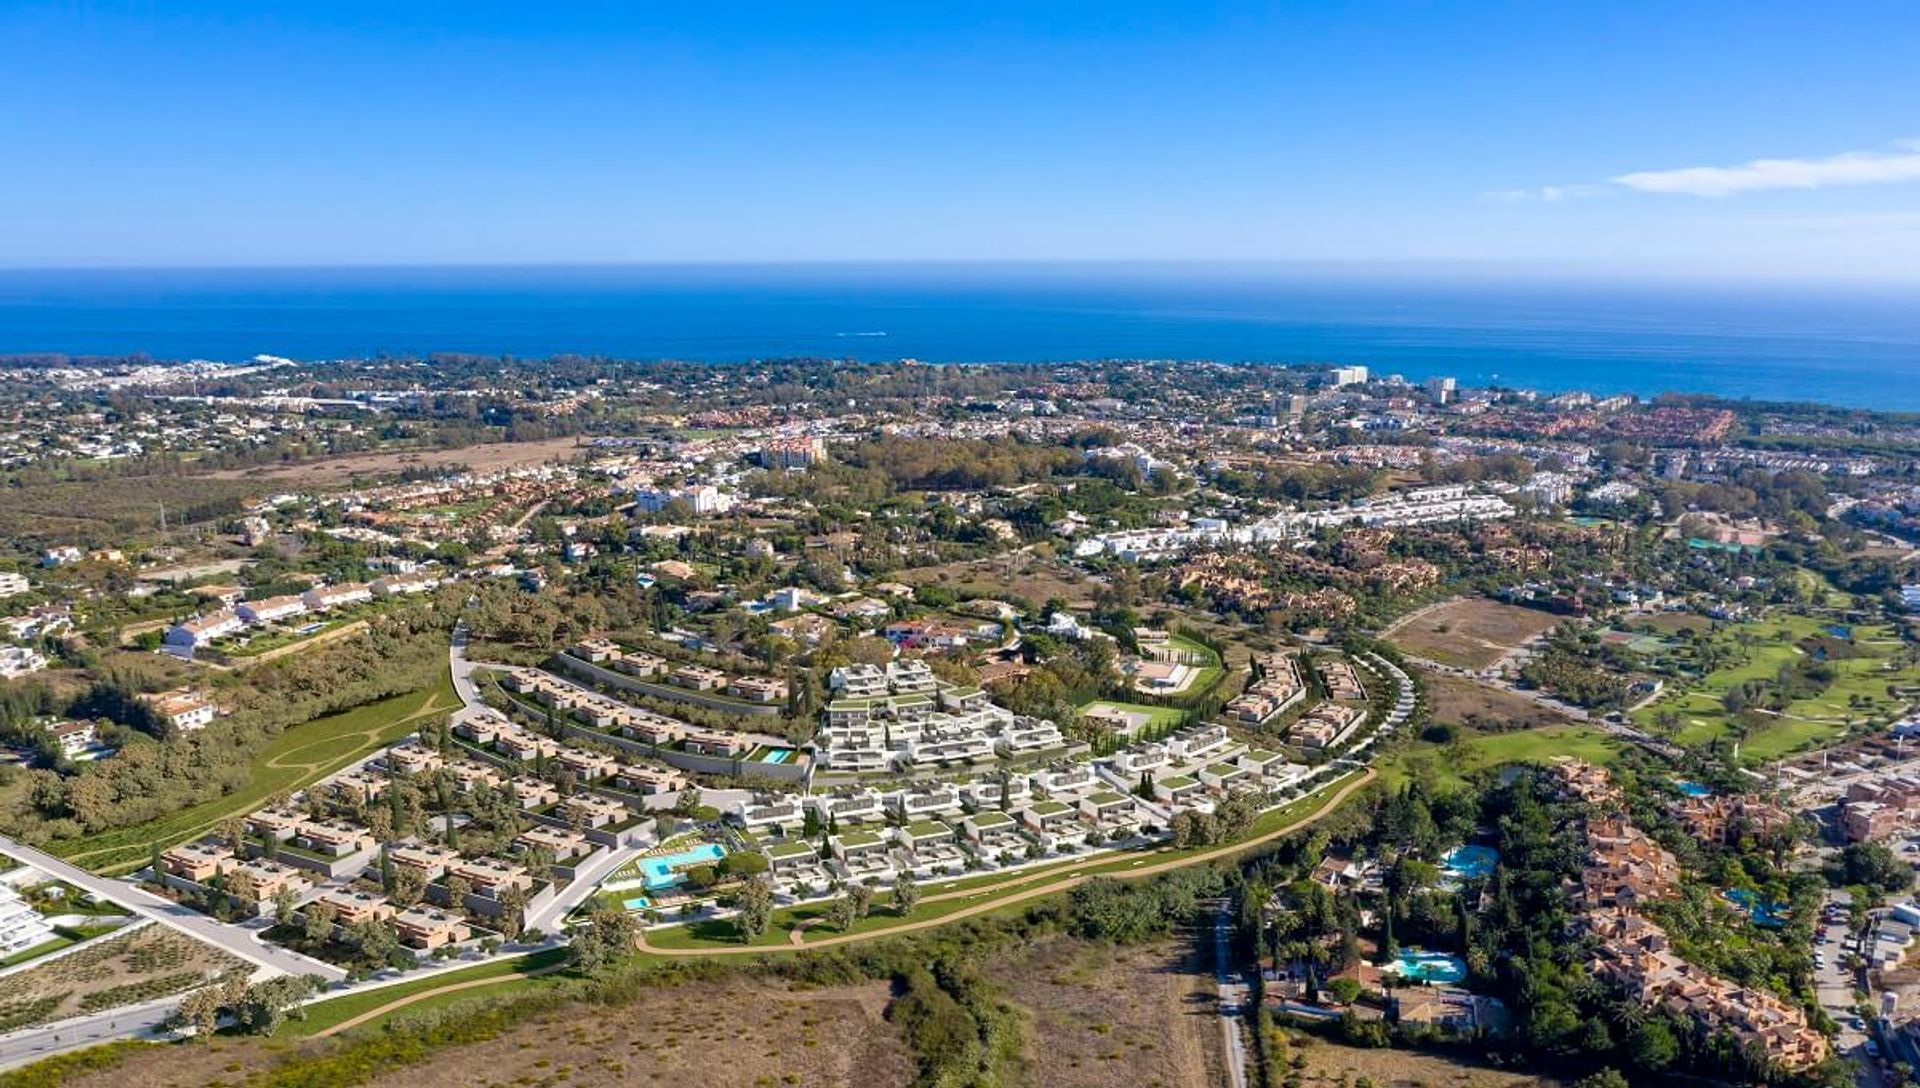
1472 633
737 1034
1456 700
333 471
1330 1065
1104 1017
1019 574
149 963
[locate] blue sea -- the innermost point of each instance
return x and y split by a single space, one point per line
1852 347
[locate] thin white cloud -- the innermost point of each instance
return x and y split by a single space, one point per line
1545 194
1846 168
1885 167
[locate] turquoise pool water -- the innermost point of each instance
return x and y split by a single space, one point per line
638 902
1765 915
778 755
1428 966
663 871
1693 789
1470 862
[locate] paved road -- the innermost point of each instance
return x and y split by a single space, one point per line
1233 997
1834 985
235 939
547 918
133 1021
462 668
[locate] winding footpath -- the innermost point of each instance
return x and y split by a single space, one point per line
399 1003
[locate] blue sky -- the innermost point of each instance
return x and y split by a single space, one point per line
1583 139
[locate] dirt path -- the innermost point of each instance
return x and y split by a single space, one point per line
1387 631
451 987
340 632
994 901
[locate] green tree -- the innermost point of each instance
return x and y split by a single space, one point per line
753 908
267 1005
906 894
841 914
608 935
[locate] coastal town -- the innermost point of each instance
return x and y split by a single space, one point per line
1567 732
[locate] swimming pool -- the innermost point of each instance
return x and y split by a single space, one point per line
1765 915
778 755
1420 966
638 902
1469 862
663 871
1693 789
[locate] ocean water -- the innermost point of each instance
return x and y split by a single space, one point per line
1859 348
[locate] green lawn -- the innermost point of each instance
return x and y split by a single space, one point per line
53 944
325 1014
291 760
1805 722
1478 750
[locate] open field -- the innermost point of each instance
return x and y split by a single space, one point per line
295 757
1471 633
1099 1016
738 1033
106 512
1456 700
333 471
151 962
1018 574
1857 696
1672 623
1329 1064
1475 750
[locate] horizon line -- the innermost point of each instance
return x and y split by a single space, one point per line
1534 270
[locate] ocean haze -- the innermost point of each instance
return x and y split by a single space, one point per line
1852 346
